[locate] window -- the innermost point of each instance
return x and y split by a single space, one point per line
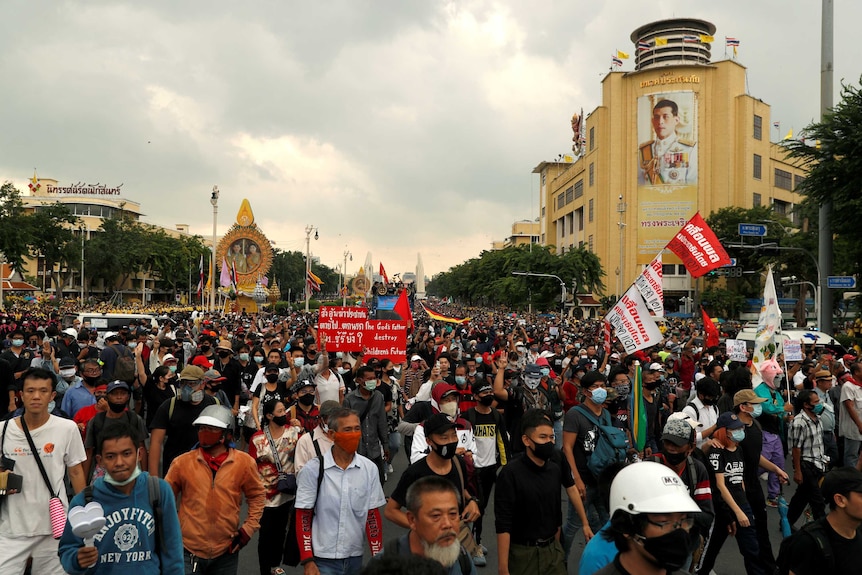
569 195
579 216
543 238
571 223
758 166
758 127
561 200
780 208
592 175
668 270
590 242
543 211
544 178
757 201
591 209
783 180
579 189
562 225
797 181
592 137
680 270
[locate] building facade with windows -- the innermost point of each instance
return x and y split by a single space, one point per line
524 233
680 134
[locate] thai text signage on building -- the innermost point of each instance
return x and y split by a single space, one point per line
82 189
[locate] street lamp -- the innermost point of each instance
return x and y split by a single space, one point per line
308 229
562 285
344 277
83 230
214 202
772 246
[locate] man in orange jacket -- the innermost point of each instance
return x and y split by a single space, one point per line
212 480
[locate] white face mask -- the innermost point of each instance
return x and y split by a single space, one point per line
450 408
67 374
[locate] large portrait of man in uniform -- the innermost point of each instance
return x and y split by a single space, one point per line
669 156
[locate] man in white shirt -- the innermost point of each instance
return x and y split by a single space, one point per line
702 408
25 522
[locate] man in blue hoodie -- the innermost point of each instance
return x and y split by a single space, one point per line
141 535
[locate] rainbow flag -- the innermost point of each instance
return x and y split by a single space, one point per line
638 413
440 317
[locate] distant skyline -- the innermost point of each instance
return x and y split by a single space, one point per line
395 127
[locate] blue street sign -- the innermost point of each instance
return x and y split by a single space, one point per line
752 230
841 282
731 264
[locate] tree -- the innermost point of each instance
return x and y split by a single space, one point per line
50 234
172 258
118 251
13 235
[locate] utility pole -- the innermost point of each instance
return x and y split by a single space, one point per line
824 251
344 275
308 230
214 202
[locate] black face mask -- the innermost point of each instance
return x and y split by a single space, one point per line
117 407
205 348
306 400
708 401
652 386
92 379
544 451
272 377
674 458
224 354
488 400
280 420
390 372
446 450
670 550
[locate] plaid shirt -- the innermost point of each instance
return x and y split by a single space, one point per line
806 434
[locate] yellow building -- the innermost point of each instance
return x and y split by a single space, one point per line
678 135
524 233
90 204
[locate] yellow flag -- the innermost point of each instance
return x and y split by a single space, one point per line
622 55
661 41
707 39
734 52
568 158
789 135
817 144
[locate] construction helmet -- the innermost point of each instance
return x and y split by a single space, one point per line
649 487
215 416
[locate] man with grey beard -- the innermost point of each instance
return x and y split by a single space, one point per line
434 516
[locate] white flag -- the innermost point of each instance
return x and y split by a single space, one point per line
768 324
649 285
634 326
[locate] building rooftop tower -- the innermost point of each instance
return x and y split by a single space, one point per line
679 43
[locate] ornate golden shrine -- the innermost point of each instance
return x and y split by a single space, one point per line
246 249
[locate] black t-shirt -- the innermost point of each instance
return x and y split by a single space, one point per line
419 470
731 464
231 371
154 397
752 447
576 422
181 434
247 373
807 559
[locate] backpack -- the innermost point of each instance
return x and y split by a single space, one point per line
393 549
815 530
154 489
503 447
124 368
610 442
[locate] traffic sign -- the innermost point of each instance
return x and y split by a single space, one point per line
752 230
841 282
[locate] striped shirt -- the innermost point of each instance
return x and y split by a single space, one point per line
806 435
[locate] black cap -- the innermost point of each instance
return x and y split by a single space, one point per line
842 480
438 423
271 367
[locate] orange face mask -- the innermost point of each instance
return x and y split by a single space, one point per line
347 440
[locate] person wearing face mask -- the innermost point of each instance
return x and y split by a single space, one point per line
305 410
653 406
371 407
160 387
466 400
82 393
733 509
210 483
441 433
651 521
522 394
125 490
310 444
68 372
444 399
331 540
114 349
823 382
229 368
527 506
678 453
271 388
805 440
172 424
19 358
329 385
278 439
492 446
702 408
774 409
117 396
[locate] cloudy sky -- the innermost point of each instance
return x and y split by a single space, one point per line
395 127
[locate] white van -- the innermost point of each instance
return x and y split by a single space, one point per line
103 322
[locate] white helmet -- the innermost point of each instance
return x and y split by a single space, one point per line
215 416
649 487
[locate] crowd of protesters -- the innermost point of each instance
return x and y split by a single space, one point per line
176 425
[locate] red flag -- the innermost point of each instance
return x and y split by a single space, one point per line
383 274
402 308
606 336
711 339
698 247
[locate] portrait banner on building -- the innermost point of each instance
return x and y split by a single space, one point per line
649 285
634 326
698 247
667 168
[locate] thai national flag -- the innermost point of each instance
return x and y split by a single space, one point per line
690 38
644 46
616 61
201 282
731 41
